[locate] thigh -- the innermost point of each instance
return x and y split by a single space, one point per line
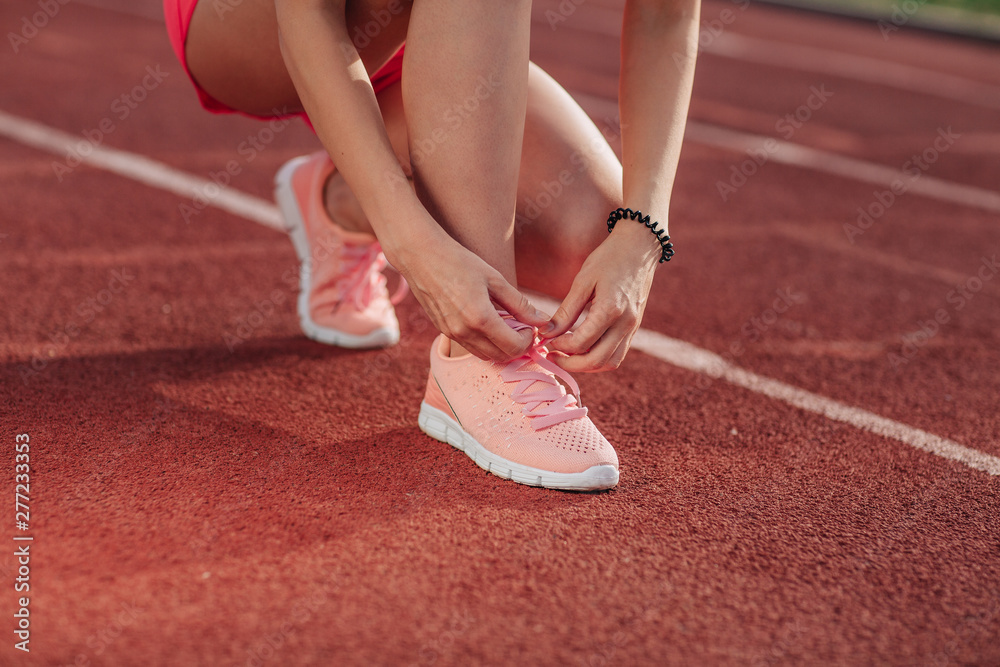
233 52
570 180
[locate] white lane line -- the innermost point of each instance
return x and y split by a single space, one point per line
767 52
858 68
141 255
140 168
805 157
693 358
836 242
685 355
866 69
797 155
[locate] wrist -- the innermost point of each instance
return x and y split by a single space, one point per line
643 235
409 235
398 218
638 242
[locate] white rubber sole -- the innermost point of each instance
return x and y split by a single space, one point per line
441 426
284 194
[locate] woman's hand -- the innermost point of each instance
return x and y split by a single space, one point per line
659 48
614 281
458 291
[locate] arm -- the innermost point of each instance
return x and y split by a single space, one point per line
659 46
336 92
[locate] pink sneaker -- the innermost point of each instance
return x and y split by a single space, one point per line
516 420
343 298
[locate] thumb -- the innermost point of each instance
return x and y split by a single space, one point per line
516 303
570 309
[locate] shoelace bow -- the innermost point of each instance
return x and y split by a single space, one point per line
362 277
549 405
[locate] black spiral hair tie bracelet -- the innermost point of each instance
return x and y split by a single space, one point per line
666 246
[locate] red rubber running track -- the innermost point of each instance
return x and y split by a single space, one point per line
826 492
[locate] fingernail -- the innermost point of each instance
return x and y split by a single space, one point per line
546 328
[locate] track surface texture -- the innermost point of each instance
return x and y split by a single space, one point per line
199 502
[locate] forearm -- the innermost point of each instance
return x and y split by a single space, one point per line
336 92
659 46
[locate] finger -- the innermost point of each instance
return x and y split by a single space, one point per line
583 338
515 303
510 343
478 345
606 355
489 335
482 349
619 355
580 294
594 360
459 330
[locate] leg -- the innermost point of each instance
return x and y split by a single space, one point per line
465 94
234 55
570 180
339 199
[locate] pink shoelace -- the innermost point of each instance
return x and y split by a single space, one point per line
550 404
361 279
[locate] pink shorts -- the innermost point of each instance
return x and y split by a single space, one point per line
178 15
